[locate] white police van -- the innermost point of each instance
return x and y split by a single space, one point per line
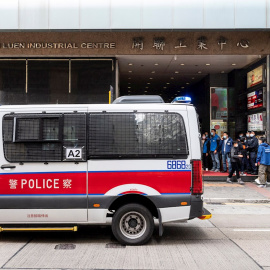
136 160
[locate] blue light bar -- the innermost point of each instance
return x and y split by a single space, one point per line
182 99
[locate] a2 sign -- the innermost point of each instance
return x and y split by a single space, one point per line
73 153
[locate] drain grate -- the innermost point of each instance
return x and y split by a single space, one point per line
218 203
65 246
115 245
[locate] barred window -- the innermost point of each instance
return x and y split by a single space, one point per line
137 135
43 137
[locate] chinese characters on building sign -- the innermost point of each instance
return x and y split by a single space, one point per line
159 43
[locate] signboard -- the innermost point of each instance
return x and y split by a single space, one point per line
255 76
255 122
218 103
219 126
255 99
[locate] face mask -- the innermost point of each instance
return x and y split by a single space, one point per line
203 137
224 137
247 135
206 135
212 133
236 145
251 135
240 136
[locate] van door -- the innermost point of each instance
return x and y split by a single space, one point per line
43 167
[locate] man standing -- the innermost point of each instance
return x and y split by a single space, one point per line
263 160
214 145
252 147
226 144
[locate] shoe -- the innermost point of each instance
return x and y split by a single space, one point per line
229 180
254 173
257 181
268 183
261 186
217 170
243 174
213 170
206 169
223 171
249 172
239 180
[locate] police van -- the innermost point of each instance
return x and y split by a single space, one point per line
132 162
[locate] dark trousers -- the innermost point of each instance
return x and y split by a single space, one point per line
205 161
235 168
252 161
244 164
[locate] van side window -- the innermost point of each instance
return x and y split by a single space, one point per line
137 135
43 137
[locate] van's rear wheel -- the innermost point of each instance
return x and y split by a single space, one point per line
133 224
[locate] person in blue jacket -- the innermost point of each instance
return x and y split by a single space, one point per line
226 144
214 148
263 160
206 150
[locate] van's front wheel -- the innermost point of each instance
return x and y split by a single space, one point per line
133 224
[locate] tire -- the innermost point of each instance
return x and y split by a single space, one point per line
133 224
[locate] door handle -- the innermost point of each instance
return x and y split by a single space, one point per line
8 167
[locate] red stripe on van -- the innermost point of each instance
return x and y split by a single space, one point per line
163 182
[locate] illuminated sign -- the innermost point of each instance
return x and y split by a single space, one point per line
255 99
255 76
255 122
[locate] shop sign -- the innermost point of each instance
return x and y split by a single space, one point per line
255 122
255 76
219 126
255 99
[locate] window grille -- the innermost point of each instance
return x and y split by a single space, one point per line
137 135
43 137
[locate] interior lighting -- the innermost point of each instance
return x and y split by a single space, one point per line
182 64
130 64
148 83
207 64
187 83
129 78
145 91
150 78
153 72
176 72
233 64
167 83
156 64
129 87
192 78
182 87
222 71
172 78
199 72
130 71
164 87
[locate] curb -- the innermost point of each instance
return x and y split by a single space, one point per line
228 200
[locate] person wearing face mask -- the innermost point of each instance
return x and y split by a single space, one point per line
263 160
226 144
252 147
206 150
236 156
214 147
241 135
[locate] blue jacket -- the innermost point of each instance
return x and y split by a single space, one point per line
263 155
206 146
214 143
228 146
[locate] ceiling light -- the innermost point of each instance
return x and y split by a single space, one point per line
129 78
164 87
207 64
178 91
182 87
156 64
146 87
176 72
129 87
150 78
129 91
130 64
153 72
222 71
233 64
187 83
172 78
129 83
130 71
182 64
145 91
167 83
148 83
199 72
192 78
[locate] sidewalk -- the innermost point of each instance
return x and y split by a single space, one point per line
216 192
221 177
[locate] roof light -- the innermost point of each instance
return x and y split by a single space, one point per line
182 99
